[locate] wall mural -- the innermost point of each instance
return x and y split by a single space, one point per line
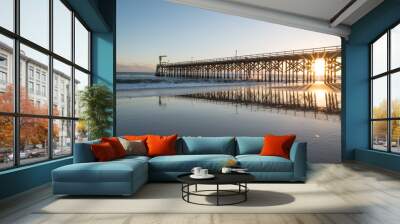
186 80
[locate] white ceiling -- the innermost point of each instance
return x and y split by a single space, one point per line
321 9
315 15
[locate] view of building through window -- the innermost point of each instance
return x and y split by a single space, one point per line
32 112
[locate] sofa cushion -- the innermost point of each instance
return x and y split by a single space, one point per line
208 145
135 147
116 145
257 163
83 152
161 145
249 145
185 163
103 152
133 158
275 145
135 137
112 171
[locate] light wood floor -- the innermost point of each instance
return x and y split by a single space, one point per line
377 188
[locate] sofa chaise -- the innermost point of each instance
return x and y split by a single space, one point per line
125 176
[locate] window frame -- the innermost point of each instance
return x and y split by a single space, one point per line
16 114
388 74
3 69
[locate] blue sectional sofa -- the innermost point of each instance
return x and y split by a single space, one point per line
125 176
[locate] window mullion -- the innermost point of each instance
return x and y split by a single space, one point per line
371 89
16 84
389 101
73 81
89 55
50 81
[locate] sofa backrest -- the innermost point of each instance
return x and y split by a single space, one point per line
83 152
249 145
191 146
207 145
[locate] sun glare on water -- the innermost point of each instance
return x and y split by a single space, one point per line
319 67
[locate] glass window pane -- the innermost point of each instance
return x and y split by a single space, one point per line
6 142
6 74
379 98
81 131
379 55
62 89
62 29
379 135
62 138
33 139
34 72
395 94
395 136
35 21
395 47
81 82
7 14
81 45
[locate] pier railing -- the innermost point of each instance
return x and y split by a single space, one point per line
301 52
286 66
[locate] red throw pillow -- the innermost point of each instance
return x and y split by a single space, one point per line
103 152
116 145
161 145
277 145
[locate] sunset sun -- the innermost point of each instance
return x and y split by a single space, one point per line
319 67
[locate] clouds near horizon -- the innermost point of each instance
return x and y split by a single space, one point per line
134 67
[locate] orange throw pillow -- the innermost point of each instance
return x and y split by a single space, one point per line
277 145
136 137
103 152
116 145
161 145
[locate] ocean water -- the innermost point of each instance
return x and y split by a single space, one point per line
146 81
149 104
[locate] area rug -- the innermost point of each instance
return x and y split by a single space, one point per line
166 198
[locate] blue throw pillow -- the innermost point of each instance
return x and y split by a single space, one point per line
249 145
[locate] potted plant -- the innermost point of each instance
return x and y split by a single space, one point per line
96 102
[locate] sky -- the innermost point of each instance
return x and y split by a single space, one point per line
149 28
35 27
379 66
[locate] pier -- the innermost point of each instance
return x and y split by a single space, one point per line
286 67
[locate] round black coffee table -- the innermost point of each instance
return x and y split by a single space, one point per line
238 179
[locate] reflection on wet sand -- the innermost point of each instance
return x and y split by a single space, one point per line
318 97
310 111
